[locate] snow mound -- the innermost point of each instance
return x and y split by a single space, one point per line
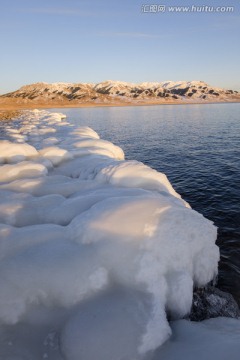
95 247
12 152
55 154
99 147
24 169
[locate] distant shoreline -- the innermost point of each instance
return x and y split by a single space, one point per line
15 107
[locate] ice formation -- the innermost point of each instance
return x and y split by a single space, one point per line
95 250
210 339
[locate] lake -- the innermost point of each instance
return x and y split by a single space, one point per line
197 147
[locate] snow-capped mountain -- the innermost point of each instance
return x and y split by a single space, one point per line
118 92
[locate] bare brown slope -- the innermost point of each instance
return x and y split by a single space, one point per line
110 93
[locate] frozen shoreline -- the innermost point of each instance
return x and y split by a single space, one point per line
96 248
13 106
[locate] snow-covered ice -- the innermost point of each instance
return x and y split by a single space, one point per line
12 152
96 252
207 340
23 169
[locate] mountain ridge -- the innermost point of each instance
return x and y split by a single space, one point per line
110 92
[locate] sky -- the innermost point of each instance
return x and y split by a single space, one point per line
93 41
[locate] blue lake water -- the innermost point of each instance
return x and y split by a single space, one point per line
198 148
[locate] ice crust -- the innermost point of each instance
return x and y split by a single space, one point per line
95 247
210 339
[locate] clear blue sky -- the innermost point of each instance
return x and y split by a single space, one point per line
97 40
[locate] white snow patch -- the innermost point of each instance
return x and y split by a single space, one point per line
24 169
55 154
92 246
99 147
207 340
12 152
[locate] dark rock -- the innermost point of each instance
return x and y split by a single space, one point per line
68 96
216 94
194 91
103 91
80 96
211 91
180 92
76 89
190 94
211 302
